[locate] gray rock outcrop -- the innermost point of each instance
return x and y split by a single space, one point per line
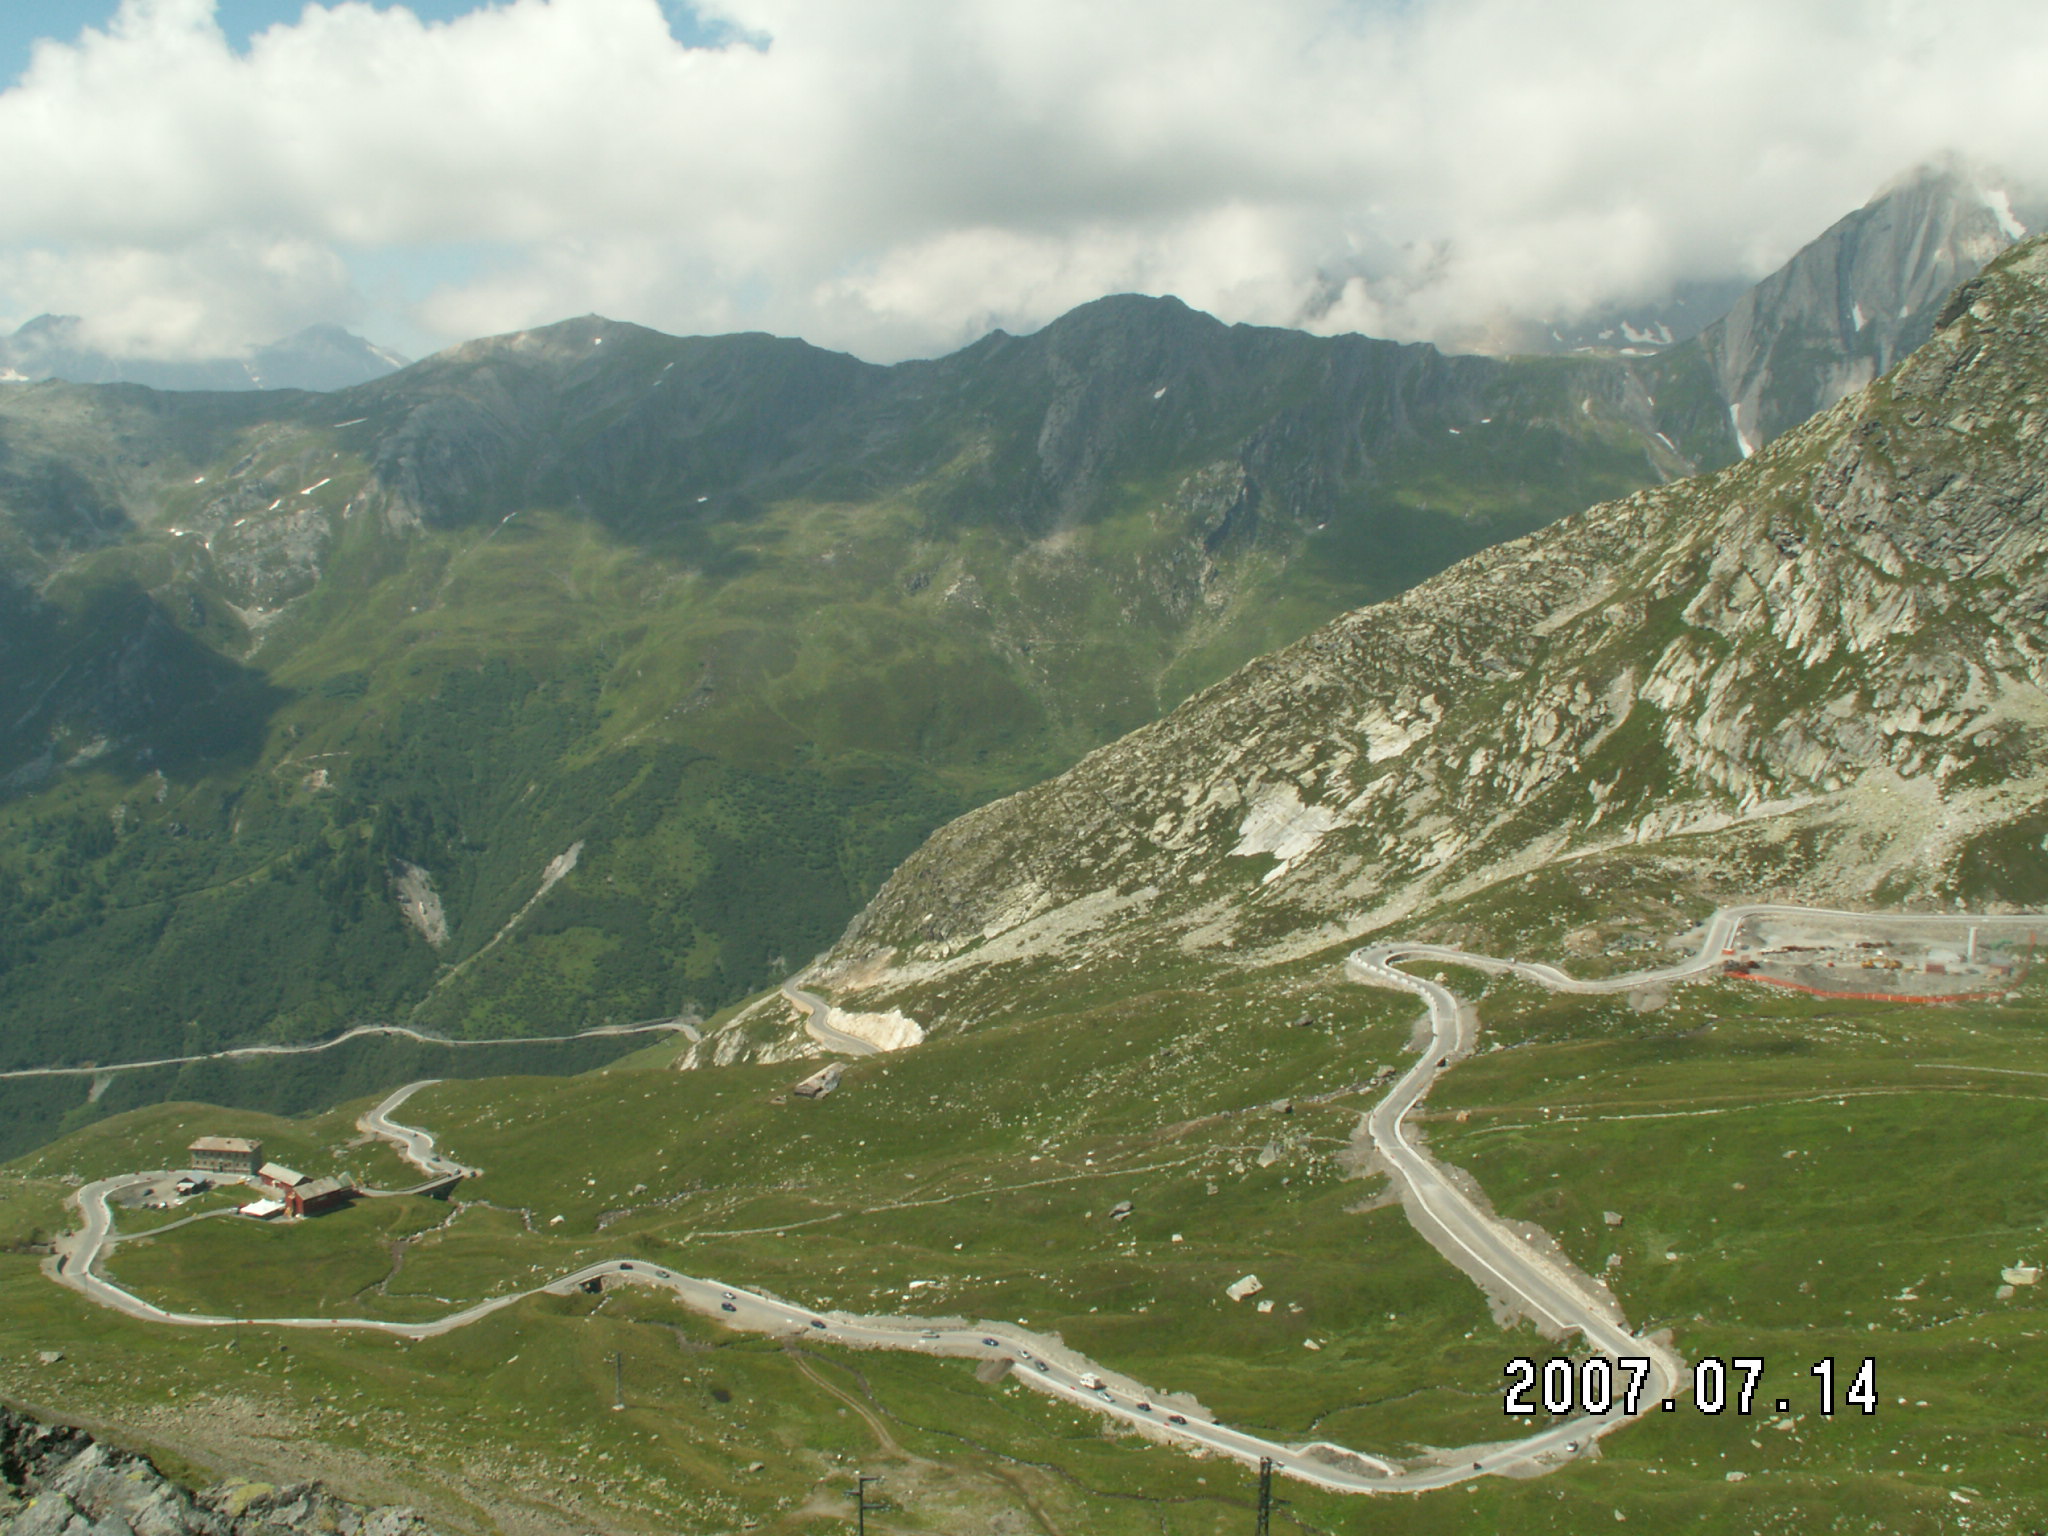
58 1481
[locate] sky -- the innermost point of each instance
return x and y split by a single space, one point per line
896 177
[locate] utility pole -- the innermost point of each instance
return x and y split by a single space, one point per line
1265 1525
618 1383
861 1506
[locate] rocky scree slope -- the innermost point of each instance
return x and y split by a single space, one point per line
59 1481
1837 649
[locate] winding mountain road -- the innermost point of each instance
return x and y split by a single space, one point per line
1543 1286
818 1024
414 1145
248 1052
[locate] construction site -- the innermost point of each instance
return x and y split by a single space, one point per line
1900 959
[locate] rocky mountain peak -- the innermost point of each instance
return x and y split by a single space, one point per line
1860 297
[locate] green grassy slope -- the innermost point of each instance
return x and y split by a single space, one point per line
983 1166
738 620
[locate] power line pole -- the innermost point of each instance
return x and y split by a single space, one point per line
1265 1525
861 1506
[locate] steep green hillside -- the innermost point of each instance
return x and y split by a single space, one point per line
975 1176
592 674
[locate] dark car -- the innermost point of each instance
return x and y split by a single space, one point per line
726 1306
1041 1365
991 1343
1142 1407
816 1324
1174 1418
625 1266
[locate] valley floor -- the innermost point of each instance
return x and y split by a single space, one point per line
1524 1271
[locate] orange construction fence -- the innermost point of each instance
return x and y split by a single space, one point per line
1864 997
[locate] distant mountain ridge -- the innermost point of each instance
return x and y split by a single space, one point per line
320 357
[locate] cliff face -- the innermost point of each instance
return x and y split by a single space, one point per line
1856 300
1839 646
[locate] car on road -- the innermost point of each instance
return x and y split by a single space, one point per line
728 1295
816 1324
1174 1418
1091 1381
1042 1365
726 1306
928 1333
625 1266
1142 1406
991 1343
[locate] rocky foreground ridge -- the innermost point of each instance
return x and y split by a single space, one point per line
59 1481
1837 651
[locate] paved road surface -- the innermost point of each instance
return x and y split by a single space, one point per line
675 1026
1559 1298
818 1022
414 1145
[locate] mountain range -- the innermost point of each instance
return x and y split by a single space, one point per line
587 673
320 357
591 674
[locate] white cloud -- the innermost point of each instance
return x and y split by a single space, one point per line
182 301
894 175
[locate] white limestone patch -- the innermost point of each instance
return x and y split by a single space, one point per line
558 868
891 1031
560 865
1030 900
1281 825
420 902
1389 734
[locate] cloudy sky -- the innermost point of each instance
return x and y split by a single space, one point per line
895 177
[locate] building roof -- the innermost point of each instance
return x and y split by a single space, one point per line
226 1144
317 1189
263 1208
277 1173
